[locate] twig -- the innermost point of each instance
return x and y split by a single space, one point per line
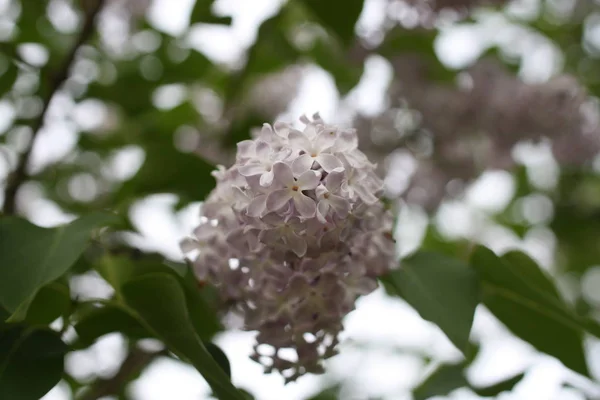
19 176
137 360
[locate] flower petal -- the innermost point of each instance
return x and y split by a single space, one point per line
262 149
304 205
322 210
257 206
299 141
329 162
188 244
283 174
266 179
302 164
365 194
296 244
278 199
308 180
325 139
251 169
334 180
341 205
245 149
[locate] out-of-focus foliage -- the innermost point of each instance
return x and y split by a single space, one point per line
124 110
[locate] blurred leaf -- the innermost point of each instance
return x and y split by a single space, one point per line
107 319
167 170
442 381
504 386
436 242
50 302
161 303
119 270
443 290
31 257
449 377
202 13
400 42
331 393
271 52
241 128
524 299
219 356
9 73
31 363
333 59
339 16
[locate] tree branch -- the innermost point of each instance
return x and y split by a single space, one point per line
19 176
136 360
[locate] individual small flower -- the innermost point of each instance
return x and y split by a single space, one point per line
327 194
292 190
260 161
314 148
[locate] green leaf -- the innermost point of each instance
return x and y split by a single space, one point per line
31 363
167 170
161 303
50 302
442 381
332 58
503 386
271 52
220 357
443 290
8 74
118 270
202 12
339 16
331 393
524 299
31 257
400 42
100 321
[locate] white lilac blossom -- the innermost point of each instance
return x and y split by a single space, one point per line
292 234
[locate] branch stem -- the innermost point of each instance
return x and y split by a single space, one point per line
19 176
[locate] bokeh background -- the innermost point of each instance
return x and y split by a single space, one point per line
482 116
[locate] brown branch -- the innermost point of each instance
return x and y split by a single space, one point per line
135 362
19 176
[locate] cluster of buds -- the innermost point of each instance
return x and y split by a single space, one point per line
292 234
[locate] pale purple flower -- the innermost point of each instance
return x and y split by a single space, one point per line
291 235
292 190
314 148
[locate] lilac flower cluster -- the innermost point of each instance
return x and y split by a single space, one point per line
292 234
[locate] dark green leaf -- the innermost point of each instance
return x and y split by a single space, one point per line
31 363
219 356
8 74
441 382
118 270
443 290
333 59
50 302
330 393
202 13
400 42
271 52
167 170
31 257
524 299
503 386
339 16
106 319
161 303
